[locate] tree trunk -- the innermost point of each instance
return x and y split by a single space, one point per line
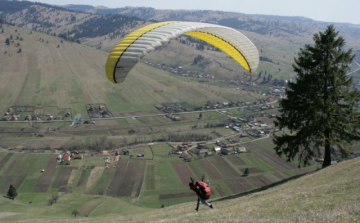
327 158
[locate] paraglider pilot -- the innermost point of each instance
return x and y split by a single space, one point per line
202 190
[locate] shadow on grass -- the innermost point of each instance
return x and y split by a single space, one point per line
11 198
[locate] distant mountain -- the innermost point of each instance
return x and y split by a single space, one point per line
263 24
64 22
80 22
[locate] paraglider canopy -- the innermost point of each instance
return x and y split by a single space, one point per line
137 44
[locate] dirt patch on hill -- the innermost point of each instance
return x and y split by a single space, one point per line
94 177
63 177
7 214
72 176
82 178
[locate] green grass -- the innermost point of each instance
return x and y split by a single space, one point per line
161 149
164 171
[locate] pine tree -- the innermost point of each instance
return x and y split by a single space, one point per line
12 193
319 109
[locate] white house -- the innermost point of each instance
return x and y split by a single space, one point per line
217 149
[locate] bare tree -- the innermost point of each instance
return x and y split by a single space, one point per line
75 213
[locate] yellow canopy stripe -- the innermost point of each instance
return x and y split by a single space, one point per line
121 47
223 46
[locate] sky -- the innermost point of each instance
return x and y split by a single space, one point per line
342 11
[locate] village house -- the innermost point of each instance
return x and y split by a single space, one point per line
125 151
182 147
200 151
159 107
201 145
235 140
241 149
175 151
226 151
13 117
173 117
76 156
217 149
185 156
66 159
243 135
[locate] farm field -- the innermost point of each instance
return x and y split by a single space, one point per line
141 181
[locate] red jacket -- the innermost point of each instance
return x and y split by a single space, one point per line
202 190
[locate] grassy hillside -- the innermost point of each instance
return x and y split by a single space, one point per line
328 195
50 72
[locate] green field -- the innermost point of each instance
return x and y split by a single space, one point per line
160 182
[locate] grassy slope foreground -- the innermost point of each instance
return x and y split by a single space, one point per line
329 195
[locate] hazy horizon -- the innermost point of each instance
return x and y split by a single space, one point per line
321 10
